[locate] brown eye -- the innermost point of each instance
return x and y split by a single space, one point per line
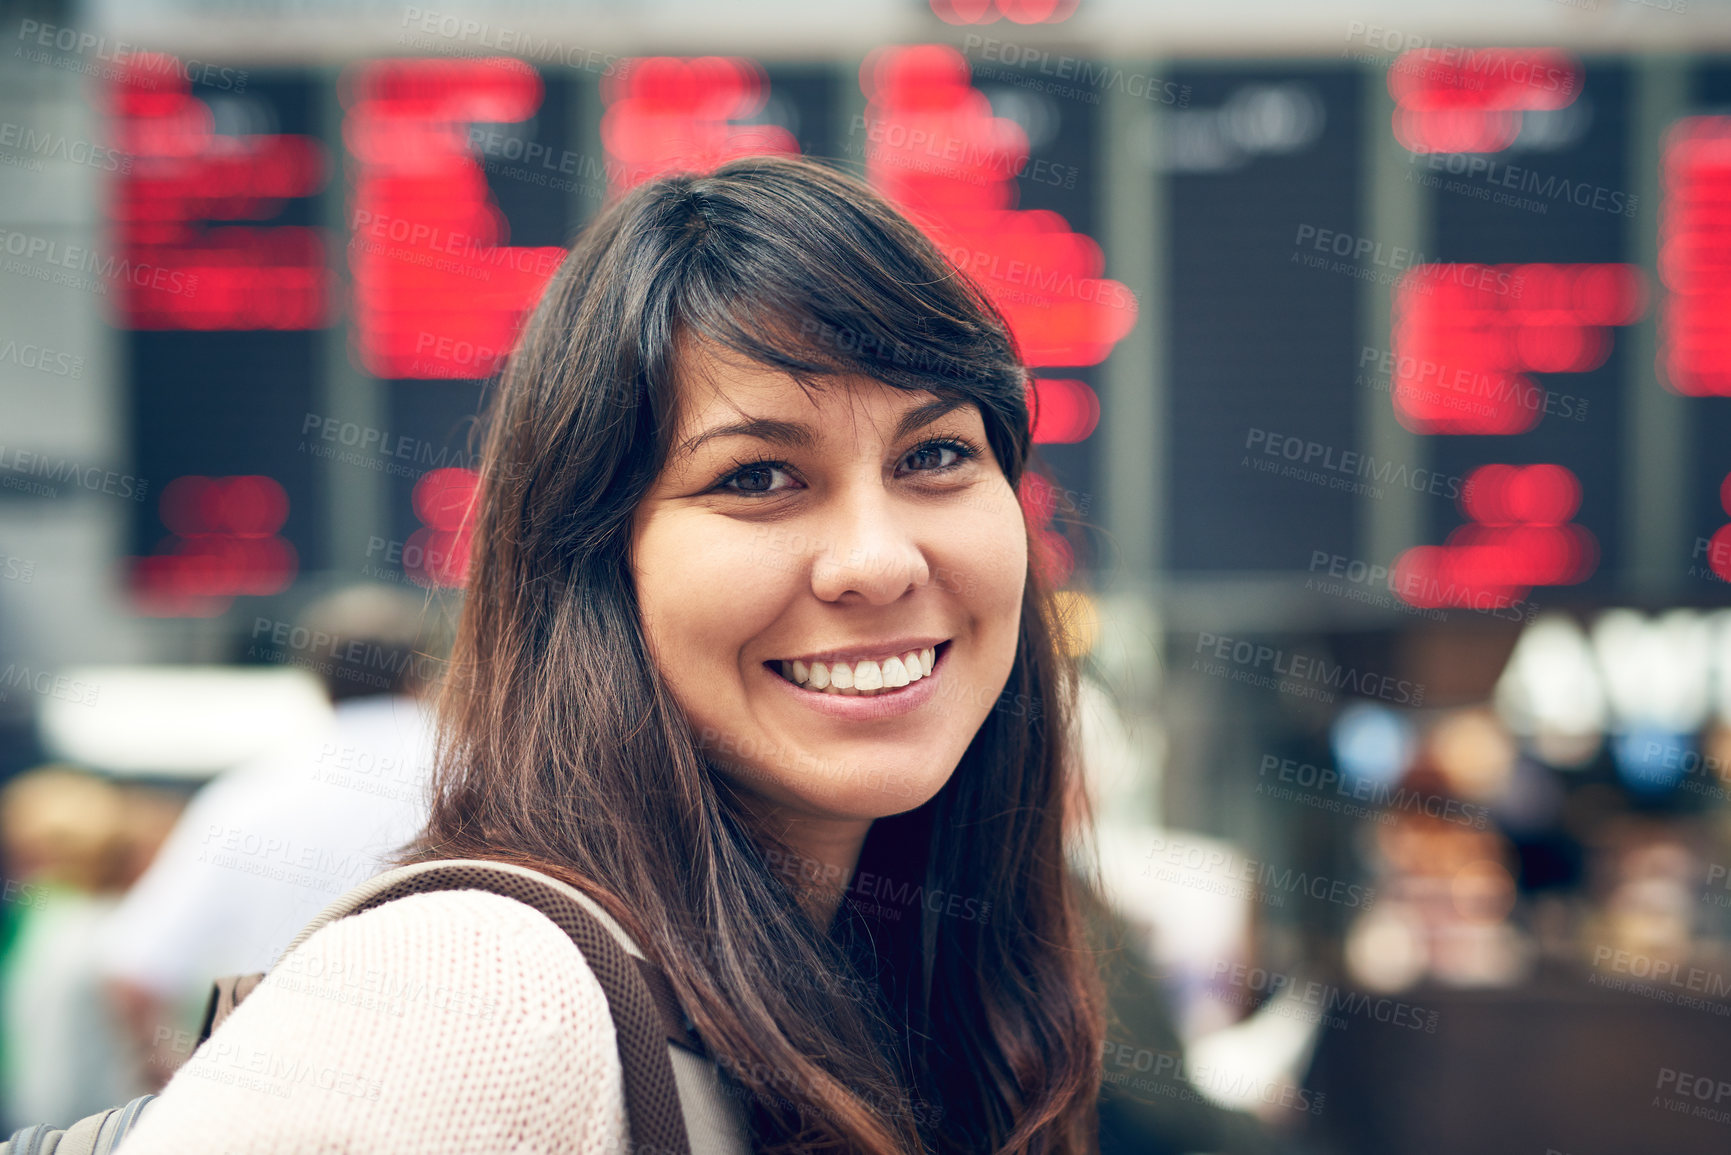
756 478
939 455
932 456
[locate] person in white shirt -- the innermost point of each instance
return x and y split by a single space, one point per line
262 848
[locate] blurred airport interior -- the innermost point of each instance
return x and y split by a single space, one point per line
1380 358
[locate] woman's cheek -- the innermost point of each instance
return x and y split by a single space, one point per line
988 558
688 591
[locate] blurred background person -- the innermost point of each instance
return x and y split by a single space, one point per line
264 847
1152 1101
67 861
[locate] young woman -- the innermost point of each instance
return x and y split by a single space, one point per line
755 650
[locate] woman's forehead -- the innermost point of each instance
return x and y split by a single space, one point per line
708 378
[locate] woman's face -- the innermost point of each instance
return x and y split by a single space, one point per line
826 539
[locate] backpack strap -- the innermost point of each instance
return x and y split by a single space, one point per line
676 1024
225 995
646 1014
97 1134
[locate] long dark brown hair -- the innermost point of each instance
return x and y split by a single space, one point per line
953 1005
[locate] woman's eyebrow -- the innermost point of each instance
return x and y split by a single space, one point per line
764 428
800 436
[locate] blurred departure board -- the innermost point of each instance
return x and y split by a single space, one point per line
218 278
1542 347
238 257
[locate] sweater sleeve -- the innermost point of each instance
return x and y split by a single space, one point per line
457 1021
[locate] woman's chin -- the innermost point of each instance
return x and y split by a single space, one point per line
858 783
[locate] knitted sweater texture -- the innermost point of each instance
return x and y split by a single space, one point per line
444 1023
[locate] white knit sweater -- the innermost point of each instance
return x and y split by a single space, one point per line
457 1021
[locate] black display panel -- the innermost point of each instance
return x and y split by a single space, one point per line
1263 316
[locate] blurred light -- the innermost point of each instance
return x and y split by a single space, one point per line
1466 336
1472 100
248 506
437 554
1648 760
1655 671
1474 753
222 543
1385 949
1519 538
1016 11
1064 411
1551 683
495 90
170 269
180 721
1371 743
668 114
1503 495
1695 256
1456 129
1250 1065
444 498
966 11
438 291
934 147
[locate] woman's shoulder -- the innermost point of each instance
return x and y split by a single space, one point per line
451 932
470 952
450 1021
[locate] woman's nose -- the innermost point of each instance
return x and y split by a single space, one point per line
868 548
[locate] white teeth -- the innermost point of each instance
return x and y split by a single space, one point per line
865 678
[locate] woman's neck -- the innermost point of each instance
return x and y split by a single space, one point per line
817 858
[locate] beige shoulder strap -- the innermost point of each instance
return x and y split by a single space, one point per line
399 883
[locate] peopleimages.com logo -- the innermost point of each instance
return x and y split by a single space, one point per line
1248 660
1332 787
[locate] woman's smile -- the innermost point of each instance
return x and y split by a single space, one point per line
874 691
850 673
